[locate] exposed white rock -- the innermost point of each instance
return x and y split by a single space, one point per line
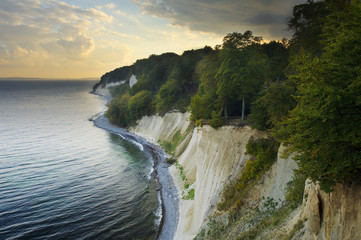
211 158
133 80
275 180
154 128
104 90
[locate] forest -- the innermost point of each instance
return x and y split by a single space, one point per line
305 90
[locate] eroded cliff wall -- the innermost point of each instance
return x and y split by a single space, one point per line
212 158
332 216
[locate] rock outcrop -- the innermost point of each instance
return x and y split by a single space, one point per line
332 216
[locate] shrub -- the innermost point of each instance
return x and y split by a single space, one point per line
295 190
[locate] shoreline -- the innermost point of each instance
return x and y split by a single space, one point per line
169 201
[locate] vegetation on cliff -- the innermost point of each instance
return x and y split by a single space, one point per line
306 90
323 127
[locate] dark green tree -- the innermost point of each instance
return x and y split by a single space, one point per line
243 70
205 101
324 127
139 105
169 96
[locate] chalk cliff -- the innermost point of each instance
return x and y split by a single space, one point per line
211 158
103 90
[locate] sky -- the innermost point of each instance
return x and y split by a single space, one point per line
87 38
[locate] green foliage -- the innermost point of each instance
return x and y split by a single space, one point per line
264 152
205 101
278 54
306 24
235 41
295 189
270 217
240 76
231 78
118 112
247 222
119 90
188 193
324 126
140 104
217 120
169 96
273 104
171 146
168 78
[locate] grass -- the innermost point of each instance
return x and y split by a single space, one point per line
188 193
171 146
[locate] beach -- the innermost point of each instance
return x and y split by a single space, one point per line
169 201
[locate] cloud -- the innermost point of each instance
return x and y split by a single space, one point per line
221 17
110 5
77 48
124 35
33 25
47 33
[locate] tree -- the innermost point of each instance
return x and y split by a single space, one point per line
139 105
306 24
168 96
243 70
205 101
272 104
324 127
236 41
118 110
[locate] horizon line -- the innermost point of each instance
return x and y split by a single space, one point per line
51 78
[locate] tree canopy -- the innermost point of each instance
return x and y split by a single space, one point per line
324 127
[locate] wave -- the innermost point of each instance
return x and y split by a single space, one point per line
140 146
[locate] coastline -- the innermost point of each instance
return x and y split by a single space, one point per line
169 201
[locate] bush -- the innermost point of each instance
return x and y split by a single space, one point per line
217 120
295 190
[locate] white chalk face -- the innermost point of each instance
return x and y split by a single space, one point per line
133 80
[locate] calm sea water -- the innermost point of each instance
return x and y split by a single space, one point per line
63 178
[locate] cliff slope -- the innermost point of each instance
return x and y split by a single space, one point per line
209 159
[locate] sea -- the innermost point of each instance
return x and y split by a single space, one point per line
63 178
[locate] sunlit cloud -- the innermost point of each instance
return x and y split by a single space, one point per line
56 38
110 5
35 33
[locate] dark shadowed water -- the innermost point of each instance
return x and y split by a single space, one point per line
63 178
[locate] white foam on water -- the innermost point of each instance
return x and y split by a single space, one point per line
140 146
159 211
